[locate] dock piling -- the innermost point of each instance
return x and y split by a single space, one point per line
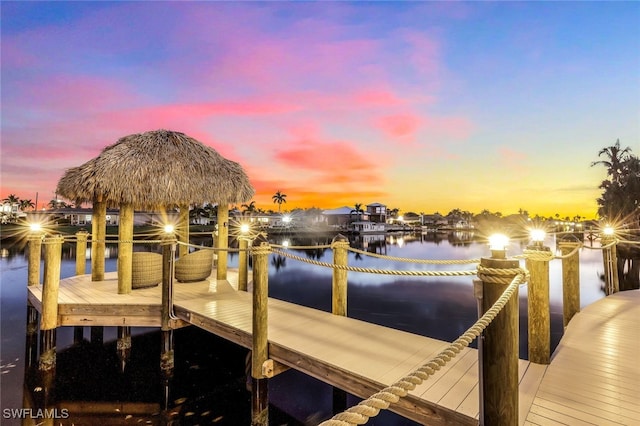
35 254
340 244
259 349
498 348
243 269
538 306
98 236
570 280
223 241
50 288
81 252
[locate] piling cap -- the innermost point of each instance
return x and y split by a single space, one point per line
340 238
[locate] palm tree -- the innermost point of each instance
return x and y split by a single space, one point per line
249 208
279 198
26 204
615 159
357 209
12 199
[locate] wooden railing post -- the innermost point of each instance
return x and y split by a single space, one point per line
259 350
570 280
340 244
35 254
223 241
98 237
538 307
609 258
50 288
81 252
243 267
125 249
498 348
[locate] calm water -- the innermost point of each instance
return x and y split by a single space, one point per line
209 383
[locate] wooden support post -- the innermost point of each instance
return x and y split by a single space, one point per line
499 355
615 284
97 335
35 251
168 257
182 230
49 320
570 280
243 268
223 241
259 350
166 354
31 346
78 334
125 248
81 252
123 346
539 313
98 237
609 258
339 401
339 288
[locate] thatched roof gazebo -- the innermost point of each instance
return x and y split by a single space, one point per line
159 169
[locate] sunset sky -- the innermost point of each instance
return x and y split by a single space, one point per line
423 106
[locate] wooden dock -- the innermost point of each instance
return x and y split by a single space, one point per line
362 358
594 376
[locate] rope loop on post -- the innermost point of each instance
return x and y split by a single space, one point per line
501 276
538 255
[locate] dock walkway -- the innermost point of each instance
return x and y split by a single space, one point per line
594 375
362 358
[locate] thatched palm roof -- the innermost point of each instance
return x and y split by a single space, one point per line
154 169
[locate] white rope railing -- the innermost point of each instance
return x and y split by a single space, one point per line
377 271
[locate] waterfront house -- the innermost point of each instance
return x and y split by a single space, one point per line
377 212
338 218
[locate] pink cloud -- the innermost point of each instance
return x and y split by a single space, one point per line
400 126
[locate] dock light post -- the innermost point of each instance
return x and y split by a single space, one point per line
35 249
609 257
498 345
169 242
539 315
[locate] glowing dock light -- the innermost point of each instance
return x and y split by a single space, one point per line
537 236
35 227
285 243
169 228
608 230
244 228
286 219
498 245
